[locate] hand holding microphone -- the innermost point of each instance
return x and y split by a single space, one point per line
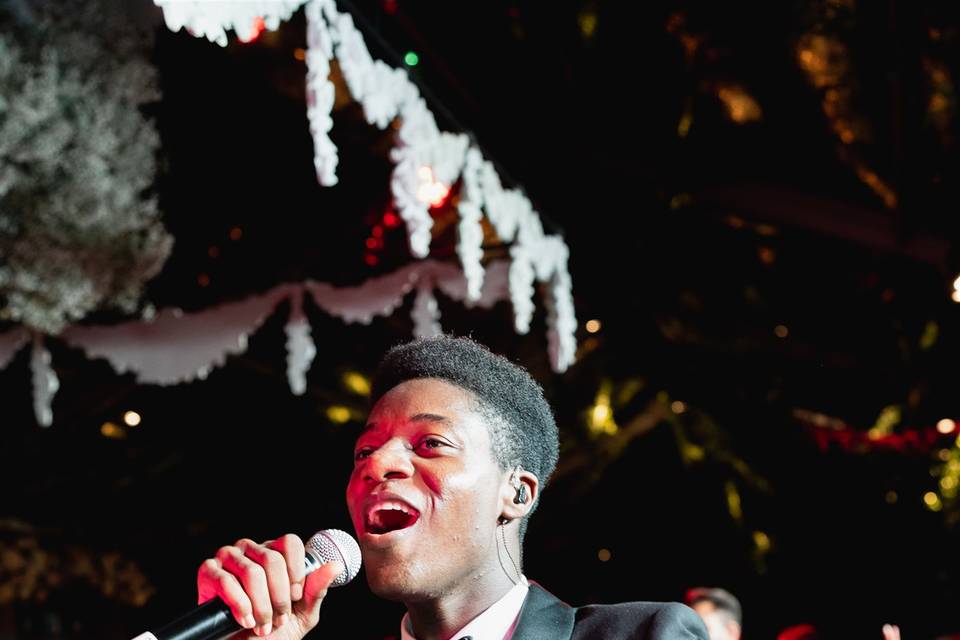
272 590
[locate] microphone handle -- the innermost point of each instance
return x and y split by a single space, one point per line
208 621
213 619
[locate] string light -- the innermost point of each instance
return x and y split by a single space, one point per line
677 406
431 191
604 555
932 500
236 233
300 54
390 220
411 59
132 418
592 326
255 30
946 426
781 331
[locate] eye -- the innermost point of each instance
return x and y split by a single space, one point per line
362 453
431 443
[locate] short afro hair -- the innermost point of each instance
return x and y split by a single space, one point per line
522 427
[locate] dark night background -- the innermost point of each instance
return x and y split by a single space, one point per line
746 269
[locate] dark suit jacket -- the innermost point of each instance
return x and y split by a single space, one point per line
544 617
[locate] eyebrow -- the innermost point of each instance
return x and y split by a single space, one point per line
420 417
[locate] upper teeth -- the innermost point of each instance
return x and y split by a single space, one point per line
392 505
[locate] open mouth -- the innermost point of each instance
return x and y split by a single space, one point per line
390 516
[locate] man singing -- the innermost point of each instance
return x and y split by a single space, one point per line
458 446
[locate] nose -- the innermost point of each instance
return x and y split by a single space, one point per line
391 461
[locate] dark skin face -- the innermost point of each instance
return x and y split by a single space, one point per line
425 497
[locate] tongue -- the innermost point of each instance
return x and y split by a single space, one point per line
390 520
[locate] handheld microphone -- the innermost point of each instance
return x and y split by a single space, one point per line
213 619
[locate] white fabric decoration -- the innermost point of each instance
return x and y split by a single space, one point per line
469 230
425 312
561 321
522 277
178 347
375 297
426 161
45 382
300 347
211 19
11 342
320 95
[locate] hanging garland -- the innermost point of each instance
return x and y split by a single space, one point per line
427 161
175 347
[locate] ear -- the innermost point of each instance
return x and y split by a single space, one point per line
512 479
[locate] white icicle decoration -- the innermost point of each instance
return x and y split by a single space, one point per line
426 161
522 276
469 229
45 382
425 312
211 19
300 347
320 95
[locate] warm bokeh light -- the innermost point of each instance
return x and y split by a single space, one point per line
356 383
761 541
300 54
600 416
741 107
112 430
338 414
781 331
955 296
593 326
932 500
132 418
891 497
946 426
603 555
431 191
236 233
677 406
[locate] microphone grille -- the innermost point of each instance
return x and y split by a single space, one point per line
334 544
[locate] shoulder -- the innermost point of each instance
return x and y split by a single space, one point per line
639 620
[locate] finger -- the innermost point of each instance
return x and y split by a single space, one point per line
291 547
213 582
314 590
253 578
278 580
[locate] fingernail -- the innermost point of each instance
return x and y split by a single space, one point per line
264 629
248 622
296 591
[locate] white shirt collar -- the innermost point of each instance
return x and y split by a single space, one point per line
496 623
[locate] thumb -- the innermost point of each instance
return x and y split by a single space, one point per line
314 591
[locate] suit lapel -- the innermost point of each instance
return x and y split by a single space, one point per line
544 617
